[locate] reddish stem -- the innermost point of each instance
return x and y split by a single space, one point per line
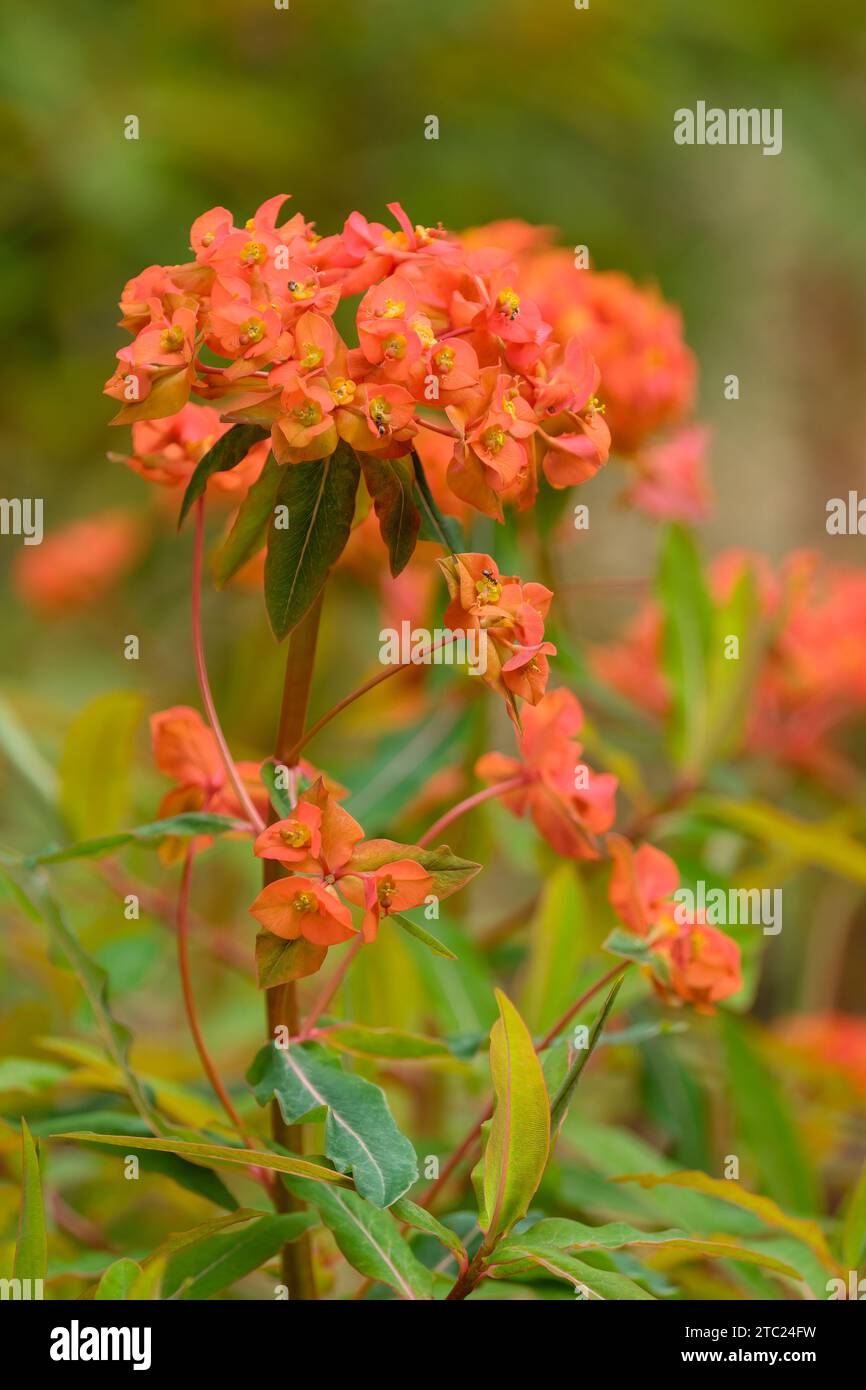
486 794
213 1075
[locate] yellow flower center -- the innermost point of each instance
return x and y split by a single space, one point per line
385 891
254 252
252 331
343 390
299 291
380 413
171 338
250 224
509 302
207 239
443 360
312 356
307 414
298 837
493 439
488 589
305 902
392 309
395 346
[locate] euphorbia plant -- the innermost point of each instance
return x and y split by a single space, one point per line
447 348
428 384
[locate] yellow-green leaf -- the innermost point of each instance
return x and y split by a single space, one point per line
518 1139
218 1155
727 1190
31 1248
94 767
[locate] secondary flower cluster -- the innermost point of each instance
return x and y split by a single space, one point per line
692 961
509 614
445 335
812 678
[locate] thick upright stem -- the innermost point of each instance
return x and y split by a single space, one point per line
282 1001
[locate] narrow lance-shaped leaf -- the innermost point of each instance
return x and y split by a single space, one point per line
250 529
854 1227
518 1138
94 982
391 483
686 636
360 1133
313 514
435 526
201 1270
560 1103
421 934
118 1281
216 1155
187 824
520 1260
31 1247
412 1215
370 1240
227 453
728 1190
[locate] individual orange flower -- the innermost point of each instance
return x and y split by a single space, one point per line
703 966
296 840
396 886
308 907
568 804
78 564
167 451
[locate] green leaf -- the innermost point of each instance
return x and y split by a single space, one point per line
219 1155
573 1235
187 824
22 754
319 498
518 1139
730 681
560 1103
821 843
280 799
94 981
854 1227
95 763
227 453
559 944
421 934
687 617
728 1190
420 1219
279 961
386 1043
203 1269
764 1122
360 1133
447 870
370 1240
391 483
628 945
519 1259
435 526
190 1176
250 530
118 1281
31 1246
